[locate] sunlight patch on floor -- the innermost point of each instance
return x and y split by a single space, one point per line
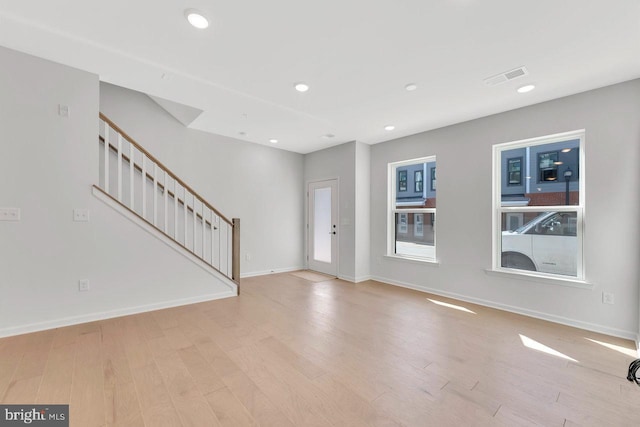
618 348
455 307
535 345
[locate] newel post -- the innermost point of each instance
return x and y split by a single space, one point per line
235 261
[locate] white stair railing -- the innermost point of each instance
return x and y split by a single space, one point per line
135 179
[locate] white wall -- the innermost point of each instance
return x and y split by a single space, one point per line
611 117
49 164
363 212
260 185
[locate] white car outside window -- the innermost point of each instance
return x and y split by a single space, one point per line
547 244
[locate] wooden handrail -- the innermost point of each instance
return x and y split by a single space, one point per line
159 163
161 186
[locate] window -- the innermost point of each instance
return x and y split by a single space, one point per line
402 180
433 179
417 179
540 230
514 171
548 166
418 225
514 220
411 223
402 223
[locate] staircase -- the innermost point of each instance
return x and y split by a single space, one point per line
148 191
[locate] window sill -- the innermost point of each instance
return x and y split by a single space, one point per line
539 278
431 262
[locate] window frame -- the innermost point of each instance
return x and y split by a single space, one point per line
392 209
498 209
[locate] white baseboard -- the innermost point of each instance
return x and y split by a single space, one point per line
265 272
630 335
354 279
92 317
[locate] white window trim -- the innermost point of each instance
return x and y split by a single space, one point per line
542 278
391 211
498 209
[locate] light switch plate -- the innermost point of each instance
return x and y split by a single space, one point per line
81 215
9 214
63 110
83 285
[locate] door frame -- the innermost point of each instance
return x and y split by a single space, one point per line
307 248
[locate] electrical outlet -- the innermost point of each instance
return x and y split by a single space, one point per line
9 214
83 285
247 256
81 215
607 298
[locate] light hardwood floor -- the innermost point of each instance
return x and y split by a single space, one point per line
292 352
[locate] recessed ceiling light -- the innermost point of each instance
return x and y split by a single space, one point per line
389 127
242 133
526 88
301 87
273 141
566 150
411 86
328 136
196 18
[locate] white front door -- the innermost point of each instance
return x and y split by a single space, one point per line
323 226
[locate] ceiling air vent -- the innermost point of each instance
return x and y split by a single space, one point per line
506 76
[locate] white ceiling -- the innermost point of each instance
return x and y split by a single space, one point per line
357 56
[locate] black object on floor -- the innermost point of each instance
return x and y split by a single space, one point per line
633 367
